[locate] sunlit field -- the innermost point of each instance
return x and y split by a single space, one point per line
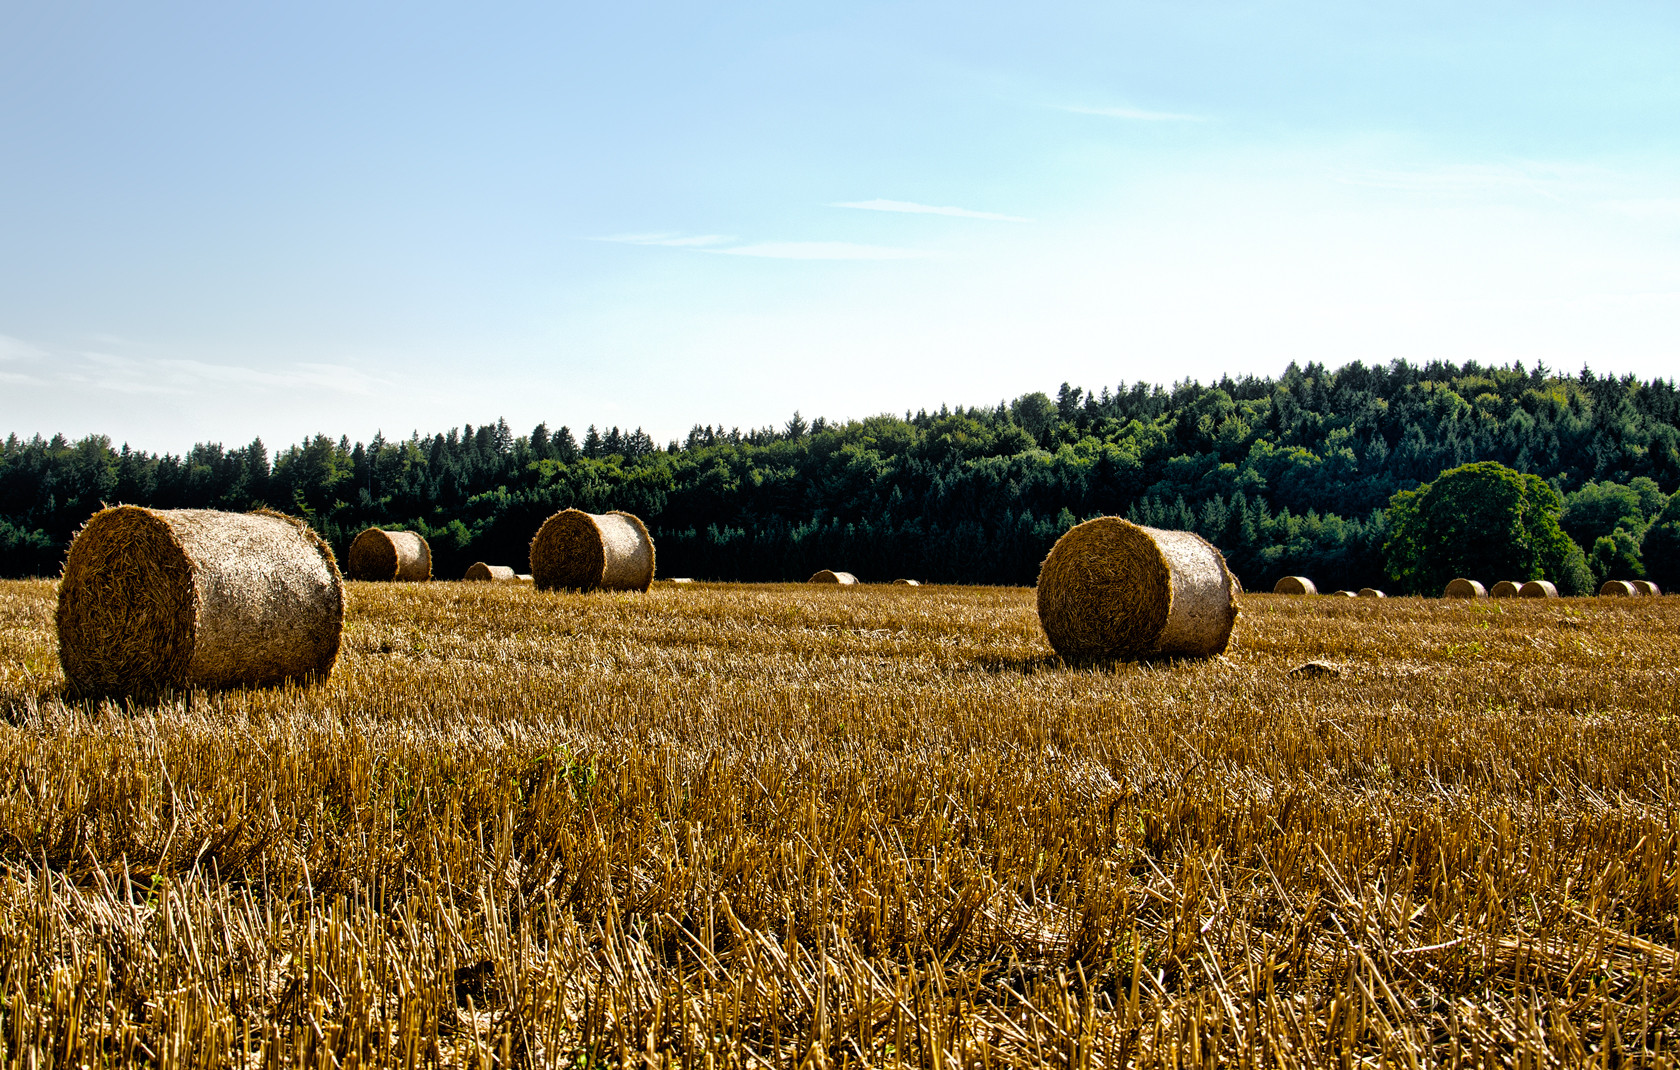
746 825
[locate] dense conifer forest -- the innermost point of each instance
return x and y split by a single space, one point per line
1286 475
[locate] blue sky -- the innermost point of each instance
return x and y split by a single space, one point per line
218 221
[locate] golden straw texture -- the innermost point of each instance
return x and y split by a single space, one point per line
580 551
377 554
1113 589
155 599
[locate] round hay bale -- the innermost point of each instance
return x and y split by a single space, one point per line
830 576
1618 589
1463 588
1505 589
1371 592
1295 585
378 554
581 551
907 583
157 599
479 572
1345 594
1538 589
1646 587
1110 588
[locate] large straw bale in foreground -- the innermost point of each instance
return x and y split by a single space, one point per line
154 599
1463 588
383 555
1646 587
583 551
1295 585
1618 589
1505 589
830 576
1111 588
479 572
1538 589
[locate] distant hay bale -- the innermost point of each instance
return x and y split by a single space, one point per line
1538 589
1345 594
1463 588
582 551
479 572
378 554
525 577
830 576
907 583
1618 589
1113 589
1505 589
681 579
1295 585
1371 592
157 599
1646 587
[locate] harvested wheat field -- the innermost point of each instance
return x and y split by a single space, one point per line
794 825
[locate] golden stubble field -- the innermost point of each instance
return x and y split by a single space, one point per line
742 825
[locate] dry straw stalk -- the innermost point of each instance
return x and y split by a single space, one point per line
580 551
830 576
157 599
1463 588
381 555
1113 589
1295 585
479 572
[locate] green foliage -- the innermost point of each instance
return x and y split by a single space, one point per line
1286 474
1660 548
1481 520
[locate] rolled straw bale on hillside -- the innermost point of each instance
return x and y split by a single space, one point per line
1505 589
830 576
1345 594
155 599
479 572
1618 589
1113 589
1371 592
1295 585
1463 588
378 554
585 551
1646 587
907 583
1538 589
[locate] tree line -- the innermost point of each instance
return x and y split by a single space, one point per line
1292 474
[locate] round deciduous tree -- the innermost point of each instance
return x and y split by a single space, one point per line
1481 520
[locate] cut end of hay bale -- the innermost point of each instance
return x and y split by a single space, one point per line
1371 592
479 572
907 583
157 599
1505 589
1538 589
830 576
580 551
381 555
1647 588
1463 588
1619 589
1295 585
1113 589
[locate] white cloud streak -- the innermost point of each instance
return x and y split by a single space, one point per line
824 250
911 207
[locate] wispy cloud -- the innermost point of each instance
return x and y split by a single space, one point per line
911 207
1142 115
17 349
667 238
824 250
1658 208
149 375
